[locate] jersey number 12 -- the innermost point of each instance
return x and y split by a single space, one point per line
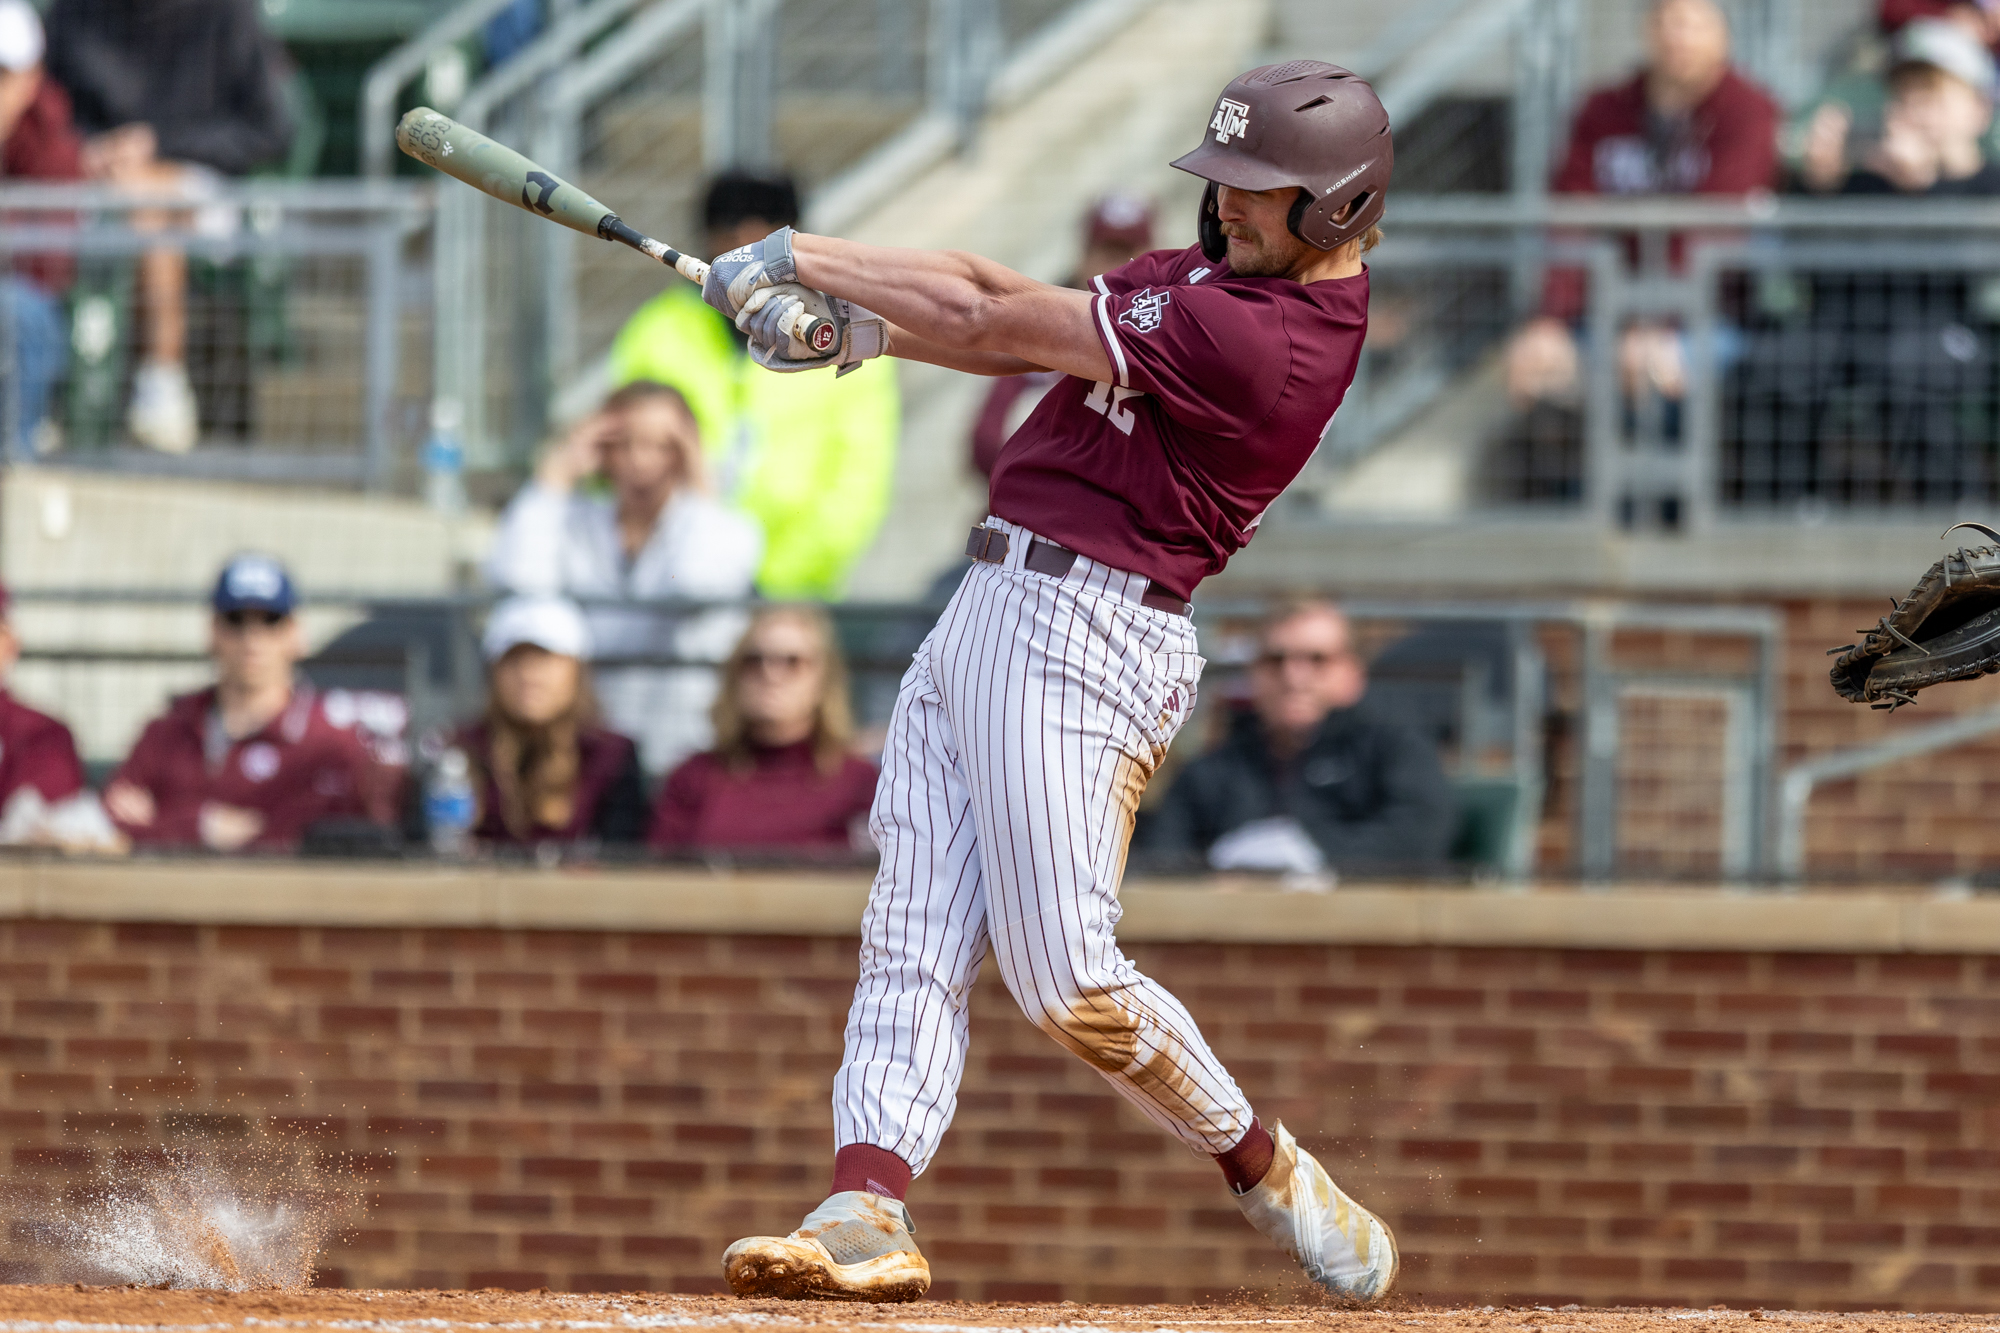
1109 403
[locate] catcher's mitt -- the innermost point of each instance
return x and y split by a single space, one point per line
1948 628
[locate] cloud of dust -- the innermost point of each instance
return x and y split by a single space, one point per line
251 1219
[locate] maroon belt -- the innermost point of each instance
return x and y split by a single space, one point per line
990 546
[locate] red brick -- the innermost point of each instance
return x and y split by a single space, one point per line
1688 1041
1706 1194
513 1205
1705 1270
157 935
1444 997
1931 1047
1460 1151
575 1170
359 1020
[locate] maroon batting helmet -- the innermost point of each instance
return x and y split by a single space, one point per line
1307 124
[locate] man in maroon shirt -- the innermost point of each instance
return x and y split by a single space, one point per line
1196 385
252 762
38 142
1687 123
44 800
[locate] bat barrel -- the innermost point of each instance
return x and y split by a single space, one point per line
465 154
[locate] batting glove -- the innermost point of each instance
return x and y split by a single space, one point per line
859 333
737 275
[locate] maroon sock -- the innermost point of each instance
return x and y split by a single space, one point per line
1245 1164
872 1170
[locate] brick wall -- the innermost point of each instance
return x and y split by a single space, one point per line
608 1110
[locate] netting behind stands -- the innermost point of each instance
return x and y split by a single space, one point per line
1847 389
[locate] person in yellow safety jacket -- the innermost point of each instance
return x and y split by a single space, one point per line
810 457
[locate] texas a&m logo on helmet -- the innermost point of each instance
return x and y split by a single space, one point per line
1231 120
1143 315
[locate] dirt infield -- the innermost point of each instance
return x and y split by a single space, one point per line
76 1309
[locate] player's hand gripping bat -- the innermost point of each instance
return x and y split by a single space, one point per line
439 141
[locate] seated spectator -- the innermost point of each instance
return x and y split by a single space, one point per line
1310 777
171 94
781 777
543 770
1981 21
251 763
810 458
44 801
1687 123
659 534
1934 127
37 142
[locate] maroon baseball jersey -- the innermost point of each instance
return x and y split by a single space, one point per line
299 769
36 751
1221 389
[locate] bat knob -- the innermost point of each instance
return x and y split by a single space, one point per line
819 334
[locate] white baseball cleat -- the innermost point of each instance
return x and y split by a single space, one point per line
1341 1245
853 1247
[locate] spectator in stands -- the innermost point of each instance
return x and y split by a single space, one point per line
172 94
1981 20
543 769
1117 230
44 800
660 534
810 457
781 777
1940 108
38 142
1687 123
1309 777
251 763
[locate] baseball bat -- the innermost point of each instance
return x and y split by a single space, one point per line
459 151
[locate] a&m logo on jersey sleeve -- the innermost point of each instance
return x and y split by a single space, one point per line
1143 315
1231 120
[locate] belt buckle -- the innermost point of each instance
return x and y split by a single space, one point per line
981 544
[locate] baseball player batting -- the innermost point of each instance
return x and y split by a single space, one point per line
1198 384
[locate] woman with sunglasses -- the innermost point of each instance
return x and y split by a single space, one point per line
543 769
781 778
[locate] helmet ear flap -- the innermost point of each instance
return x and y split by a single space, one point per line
1208 227
1298 213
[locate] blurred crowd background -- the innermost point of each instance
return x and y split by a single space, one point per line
346 512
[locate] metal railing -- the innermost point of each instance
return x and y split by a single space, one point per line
639 100
1838 355
299 306
1655 772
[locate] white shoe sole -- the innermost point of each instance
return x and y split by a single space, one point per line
802 1270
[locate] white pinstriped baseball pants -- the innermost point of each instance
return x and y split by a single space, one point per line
1021 742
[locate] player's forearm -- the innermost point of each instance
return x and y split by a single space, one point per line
945 297
959 303
909 347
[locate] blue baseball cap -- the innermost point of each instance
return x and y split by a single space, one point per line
253 582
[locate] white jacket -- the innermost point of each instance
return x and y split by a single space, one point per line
551 542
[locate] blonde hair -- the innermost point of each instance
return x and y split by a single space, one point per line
833 714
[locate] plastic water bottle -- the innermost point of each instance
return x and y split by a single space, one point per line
444 458
448 804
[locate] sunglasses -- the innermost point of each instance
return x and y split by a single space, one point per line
1276 660
266 619
774 661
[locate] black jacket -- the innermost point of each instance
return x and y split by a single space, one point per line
1368 790
202 73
